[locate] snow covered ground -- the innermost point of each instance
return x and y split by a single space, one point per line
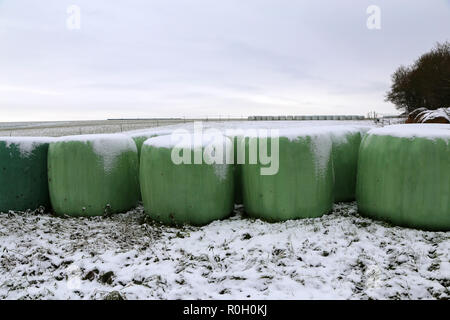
338 256
64 128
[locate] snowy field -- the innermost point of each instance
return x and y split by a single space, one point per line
338 256
64 128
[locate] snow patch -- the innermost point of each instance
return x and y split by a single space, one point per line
321 147
321 144
186 141
427 115
427 131
337 256
149 133
339 134
26 145
106 146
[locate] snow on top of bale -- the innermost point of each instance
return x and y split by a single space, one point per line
107 146
427 115
286 132
149 133
363 129
428 131
214 143
235 128
335 131
321 142
187 140
26 145
322 138
339 134
283 124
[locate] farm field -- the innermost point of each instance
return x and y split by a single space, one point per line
338 256
62 128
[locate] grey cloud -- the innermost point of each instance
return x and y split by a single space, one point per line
171 58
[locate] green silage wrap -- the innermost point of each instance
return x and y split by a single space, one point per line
237 169
139 142
406 180
86 182
346 142
184 193
303 185
23 174
140 138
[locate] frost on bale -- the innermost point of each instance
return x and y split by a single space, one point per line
186 192
404 175
346 141
23 173
303 185
93 174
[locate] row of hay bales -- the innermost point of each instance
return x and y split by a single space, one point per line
313 117
398 175
317 167
76 175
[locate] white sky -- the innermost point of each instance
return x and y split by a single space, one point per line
164 58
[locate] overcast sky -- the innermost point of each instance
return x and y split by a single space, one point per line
163 58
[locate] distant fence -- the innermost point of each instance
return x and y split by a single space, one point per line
297 118
64 128
84 127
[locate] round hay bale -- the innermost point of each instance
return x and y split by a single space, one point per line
404 175
179 192
303 185
93 175
23 173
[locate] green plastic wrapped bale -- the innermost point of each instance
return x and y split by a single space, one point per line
237 168
346 143
23 173
404 175
140 136
93 174
303 185
181 191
